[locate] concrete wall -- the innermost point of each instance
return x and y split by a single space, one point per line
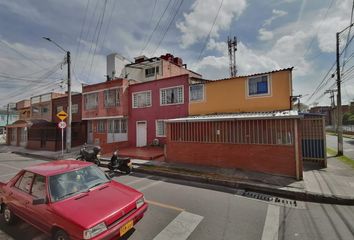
231 95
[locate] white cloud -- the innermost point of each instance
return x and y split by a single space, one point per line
265 35
276 14
197 23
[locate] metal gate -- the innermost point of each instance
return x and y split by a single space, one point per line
314 139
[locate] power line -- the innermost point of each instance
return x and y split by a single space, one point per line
98 35
157 24
211 29
168 27
345 50
81 32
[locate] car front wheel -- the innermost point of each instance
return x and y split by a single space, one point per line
61 235
9 217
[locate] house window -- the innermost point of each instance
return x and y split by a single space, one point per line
74 108
142 99
258 85
150 72
160 128
101 126
111 98
117 126
59 109
35 100
171 95
196 92
91 101
44 110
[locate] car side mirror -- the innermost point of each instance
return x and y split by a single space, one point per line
39 201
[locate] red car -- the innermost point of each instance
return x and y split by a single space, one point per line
71 199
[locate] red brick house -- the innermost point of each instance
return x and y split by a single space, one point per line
105 108
153 102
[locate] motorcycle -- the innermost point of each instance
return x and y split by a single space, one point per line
122 164
90 155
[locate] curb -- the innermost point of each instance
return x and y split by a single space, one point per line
260 188
247 186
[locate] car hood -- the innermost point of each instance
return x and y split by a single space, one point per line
107 203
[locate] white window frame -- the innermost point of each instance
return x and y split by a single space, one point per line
91 106
166 104
157 128
111 125
269 84
154 71
141 92
203 94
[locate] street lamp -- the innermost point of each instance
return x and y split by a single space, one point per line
68 129
339 98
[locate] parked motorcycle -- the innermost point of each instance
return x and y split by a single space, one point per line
122 164
90 155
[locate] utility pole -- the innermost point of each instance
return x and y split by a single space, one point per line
339 103
232 46
339 97
68 128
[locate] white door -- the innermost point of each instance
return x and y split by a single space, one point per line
141 134
89 132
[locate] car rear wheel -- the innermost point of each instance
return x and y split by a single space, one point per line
9 217
61 235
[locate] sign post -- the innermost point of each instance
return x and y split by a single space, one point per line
62 115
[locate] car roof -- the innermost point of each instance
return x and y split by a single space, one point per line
57 167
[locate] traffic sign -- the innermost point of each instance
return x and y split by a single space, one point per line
62 115
62 124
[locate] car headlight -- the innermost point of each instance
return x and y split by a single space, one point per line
94 231
140 202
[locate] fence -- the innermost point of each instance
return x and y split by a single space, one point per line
265 131
313 140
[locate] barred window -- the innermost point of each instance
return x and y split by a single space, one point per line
142 99
117 126
258 85
196 92
101 126
111 98
160 128
91 101
172 95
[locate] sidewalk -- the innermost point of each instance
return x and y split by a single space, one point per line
334 184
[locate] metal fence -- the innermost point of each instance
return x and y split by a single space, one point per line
313 140
261 131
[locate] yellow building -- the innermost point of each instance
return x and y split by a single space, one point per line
261 92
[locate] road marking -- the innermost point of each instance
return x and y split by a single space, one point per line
271 225
148 186
9 166
164 205
181 227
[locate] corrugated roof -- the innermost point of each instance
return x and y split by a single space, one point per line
244 116
255 74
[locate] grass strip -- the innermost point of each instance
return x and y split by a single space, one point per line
344 159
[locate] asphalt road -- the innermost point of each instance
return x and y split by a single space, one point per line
348 145
180 210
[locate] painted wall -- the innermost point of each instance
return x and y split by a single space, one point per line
156 112
13 116
231 95
101 110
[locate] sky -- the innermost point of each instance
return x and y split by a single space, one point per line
271 34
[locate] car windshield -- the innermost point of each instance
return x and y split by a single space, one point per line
71 183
